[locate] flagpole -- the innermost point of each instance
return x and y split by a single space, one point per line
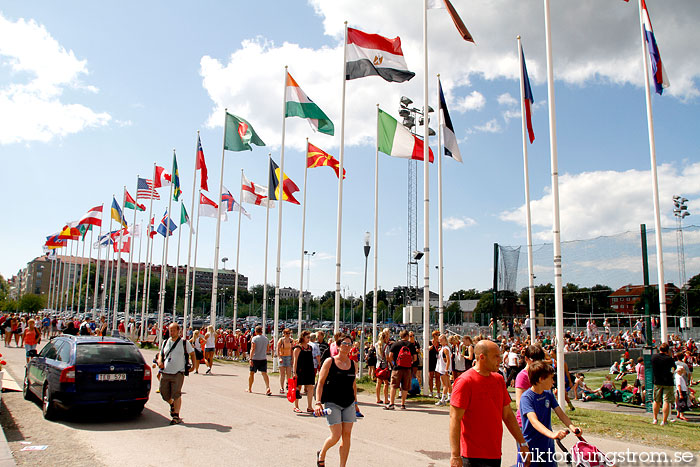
441 264
164 262
267 235
119 263
528 216
138 278
48 299
556 229
194 265
280 200
80 277
376 229
426 204
87 279
654 186
147 277
177 265
215 272
99 251
238 254
74 259
61 274
127 299
303 233
149 255
341 158
106 265
110 297
189 244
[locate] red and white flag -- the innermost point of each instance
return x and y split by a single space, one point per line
254 193
162 178
93 217
209 208
372 54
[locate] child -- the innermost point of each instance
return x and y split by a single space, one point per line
536 406
681 393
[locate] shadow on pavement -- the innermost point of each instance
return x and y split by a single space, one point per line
12 431
208 426
111 420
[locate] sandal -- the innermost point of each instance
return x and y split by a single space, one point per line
297 410
309 410
380 402
389 407
268 393
319 462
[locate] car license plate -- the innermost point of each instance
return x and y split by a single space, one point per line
112 377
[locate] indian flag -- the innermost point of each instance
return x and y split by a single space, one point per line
298 104
396 141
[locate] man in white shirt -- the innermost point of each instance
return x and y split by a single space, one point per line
173 363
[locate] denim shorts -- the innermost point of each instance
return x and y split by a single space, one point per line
286 361
28 348
339 414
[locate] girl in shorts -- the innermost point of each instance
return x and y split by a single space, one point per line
337 389
443 366
209 348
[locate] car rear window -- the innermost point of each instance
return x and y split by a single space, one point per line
95 353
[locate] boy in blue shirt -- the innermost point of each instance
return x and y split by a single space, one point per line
536 405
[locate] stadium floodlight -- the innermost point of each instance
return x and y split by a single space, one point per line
404 112
417 255
405 101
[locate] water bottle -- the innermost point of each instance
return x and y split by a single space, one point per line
324 412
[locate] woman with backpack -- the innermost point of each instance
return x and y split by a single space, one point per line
382 371
443 366
371 361
337 389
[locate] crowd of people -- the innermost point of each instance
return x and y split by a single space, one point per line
472 375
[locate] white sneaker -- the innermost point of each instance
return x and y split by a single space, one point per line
441 402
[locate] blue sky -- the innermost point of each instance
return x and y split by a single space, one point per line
92 94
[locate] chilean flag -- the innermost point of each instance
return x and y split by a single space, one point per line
529 100
659 73
201 164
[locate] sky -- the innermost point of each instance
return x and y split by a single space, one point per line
93 93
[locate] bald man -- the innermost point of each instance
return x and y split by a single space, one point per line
480 405
172 362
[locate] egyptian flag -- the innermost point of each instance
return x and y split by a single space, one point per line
448 131
288 186
372 54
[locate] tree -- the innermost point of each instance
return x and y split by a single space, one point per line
470 294
485 306
453 313
31 303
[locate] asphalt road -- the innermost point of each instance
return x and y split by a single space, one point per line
223 424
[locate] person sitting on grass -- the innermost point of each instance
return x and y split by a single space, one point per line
536 406
616 370
580 387
605 389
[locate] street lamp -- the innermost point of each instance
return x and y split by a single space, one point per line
680 211
364 305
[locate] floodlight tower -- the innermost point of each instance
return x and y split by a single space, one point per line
409 115
680 211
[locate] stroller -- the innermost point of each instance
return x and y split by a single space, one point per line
584 454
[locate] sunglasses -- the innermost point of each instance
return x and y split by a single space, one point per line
347 344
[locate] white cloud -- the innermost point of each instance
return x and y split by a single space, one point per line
457 223
599 203
507 100
474 101
250 81
41 70
491 126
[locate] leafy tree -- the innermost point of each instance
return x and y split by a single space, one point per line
485 306
470 294
31 303
453 313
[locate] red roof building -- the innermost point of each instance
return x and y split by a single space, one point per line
624 299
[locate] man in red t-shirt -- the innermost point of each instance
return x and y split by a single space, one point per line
480 405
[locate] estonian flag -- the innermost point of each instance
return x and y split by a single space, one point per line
448 131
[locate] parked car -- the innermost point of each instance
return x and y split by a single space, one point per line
87 371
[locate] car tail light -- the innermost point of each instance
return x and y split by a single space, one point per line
146 373
68 375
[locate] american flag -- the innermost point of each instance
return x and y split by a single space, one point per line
145 190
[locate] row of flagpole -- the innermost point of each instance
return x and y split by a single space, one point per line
60 278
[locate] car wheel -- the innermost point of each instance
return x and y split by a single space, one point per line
47 405
26 392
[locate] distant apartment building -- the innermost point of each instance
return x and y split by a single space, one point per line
624 299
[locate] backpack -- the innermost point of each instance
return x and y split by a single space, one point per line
371 357
404 359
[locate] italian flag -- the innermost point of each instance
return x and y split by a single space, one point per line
396 141
298 104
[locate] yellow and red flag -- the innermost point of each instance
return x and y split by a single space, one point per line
316 157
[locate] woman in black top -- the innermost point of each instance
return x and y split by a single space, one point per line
337 389
303 369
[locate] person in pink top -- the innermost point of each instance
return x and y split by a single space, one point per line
533 353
